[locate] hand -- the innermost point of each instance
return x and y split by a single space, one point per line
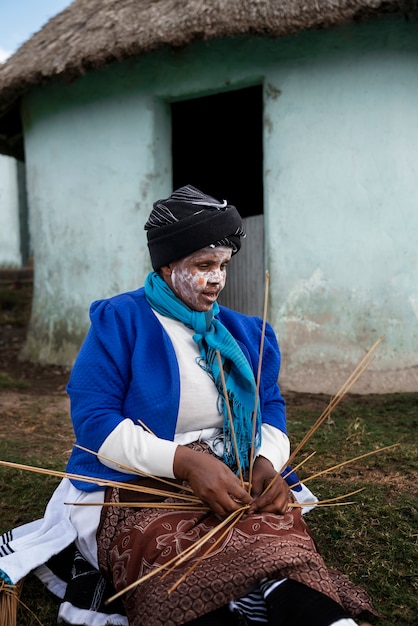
276 499
211 480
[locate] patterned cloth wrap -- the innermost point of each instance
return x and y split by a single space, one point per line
132 542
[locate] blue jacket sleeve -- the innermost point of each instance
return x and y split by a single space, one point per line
272 403
97 384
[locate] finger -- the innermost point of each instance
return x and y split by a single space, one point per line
265 503
257 487
225 507
218 510
266 496
242 496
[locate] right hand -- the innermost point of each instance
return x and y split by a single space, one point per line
211 480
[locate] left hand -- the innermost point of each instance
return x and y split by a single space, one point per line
276 499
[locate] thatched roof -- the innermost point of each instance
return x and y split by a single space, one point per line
92 33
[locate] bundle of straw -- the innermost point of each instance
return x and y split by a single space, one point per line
9 601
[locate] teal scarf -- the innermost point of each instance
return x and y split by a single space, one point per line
211 335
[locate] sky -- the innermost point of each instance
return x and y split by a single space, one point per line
20 19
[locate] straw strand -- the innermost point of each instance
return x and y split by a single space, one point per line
257 391
354 376
356 458
230 418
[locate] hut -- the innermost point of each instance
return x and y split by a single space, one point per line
301 113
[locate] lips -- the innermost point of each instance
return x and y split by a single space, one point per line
212 295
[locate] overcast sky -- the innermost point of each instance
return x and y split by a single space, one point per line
20 19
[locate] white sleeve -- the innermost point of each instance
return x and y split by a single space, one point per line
131 445
275 446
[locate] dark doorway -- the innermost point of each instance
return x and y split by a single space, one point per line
217 146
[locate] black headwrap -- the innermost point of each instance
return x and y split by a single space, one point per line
187 221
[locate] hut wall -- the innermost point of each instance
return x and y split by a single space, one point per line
10 255
93 168
340 154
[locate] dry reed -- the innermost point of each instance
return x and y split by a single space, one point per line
9 600
9 603
258 380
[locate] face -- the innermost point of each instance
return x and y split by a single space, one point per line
199 278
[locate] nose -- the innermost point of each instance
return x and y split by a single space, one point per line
215 277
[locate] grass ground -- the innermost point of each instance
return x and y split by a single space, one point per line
373 541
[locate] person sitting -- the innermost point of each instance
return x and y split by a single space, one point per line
161 374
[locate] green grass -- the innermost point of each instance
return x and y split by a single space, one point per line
373 541
9 382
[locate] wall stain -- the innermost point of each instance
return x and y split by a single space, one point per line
268 123
272 91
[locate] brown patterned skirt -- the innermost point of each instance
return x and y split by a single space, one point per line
133 542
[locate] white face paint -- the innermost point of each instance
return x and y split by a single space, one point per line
199 278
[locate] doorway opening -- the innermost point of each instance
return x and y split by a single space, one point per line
217 146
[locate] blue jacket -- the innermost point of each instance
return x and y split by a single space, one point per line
127 368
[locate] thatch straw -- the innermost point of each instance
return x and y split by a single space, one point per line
9 601
90 34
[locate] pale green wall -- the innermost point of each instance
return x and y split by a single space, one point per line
93 168
9 214
342 196
340 154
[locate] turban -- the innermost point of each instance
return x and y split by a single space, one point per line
187 221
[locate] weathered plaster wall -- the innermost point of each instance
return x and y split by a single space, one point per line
93 168
341 172
10 255
340 148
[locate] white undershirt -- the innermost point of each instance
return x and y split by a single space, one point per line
198 418
198 394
